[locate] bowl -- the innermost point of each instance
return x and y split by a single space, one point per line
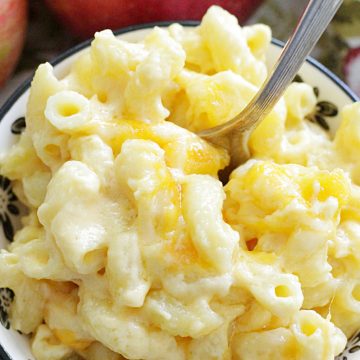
332 94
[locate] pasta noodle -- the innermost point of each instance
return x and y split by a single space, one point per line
133 249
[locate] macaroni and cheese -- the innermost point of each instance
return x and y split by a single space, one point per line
132 247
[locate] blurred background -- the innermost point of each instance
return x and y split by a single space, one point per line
35 31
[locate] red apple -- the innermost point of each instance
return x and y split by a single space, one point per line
352 69
13 21
84 17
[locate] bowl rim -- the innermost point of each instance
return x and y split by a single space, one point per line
21 89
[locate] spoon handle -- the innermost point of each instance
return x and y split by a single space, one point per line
310 27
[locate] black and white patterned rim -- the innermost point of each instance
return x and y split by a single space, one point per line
6 298
19 125
8 208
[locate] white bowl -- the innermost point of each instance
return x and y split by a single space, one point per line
333 94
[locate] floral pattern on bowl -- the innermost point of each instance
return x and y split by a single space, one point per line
352 347
8 207
322 110
6 298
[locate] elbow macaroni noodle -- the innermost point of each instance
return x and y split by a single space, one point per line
134 249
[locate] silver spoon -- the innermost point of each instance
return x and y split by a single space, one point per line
234 133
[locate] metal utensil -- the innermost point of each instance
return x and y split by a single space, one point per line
234 133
